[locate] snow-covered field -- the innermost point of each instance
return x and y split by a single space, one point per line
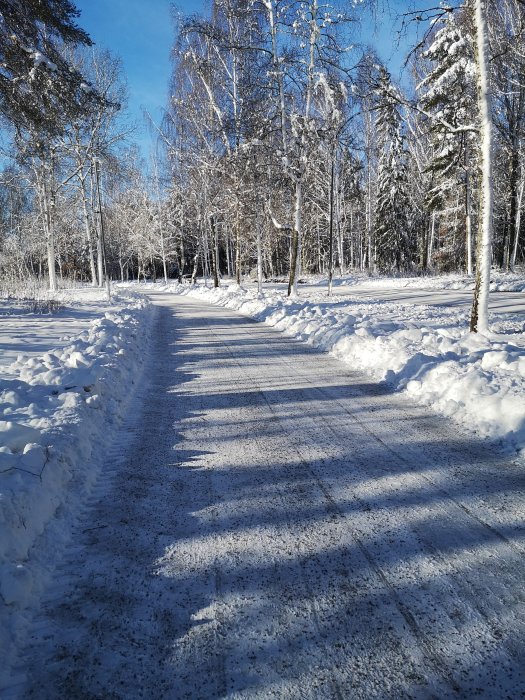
423 349
23 331
65 380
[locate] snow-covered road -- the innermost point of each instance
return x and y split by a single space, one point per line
282 527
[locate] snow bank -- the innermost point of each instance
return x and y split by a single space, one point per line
55 409
477 380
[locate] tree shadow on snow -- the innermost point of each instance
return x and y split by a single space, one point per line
269 542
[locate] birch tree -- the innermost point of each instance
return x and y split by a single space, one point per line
479 320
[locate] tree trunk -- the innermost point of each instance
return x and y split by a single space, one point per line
480 305
50 249
237 254
423 254
513 186
369 225
195 267
50 238
518 226
295 252
259 257
205 251
89 233
331 234
100 261
163 252
215 252
100 251
468 225
228 259
432 237
101 245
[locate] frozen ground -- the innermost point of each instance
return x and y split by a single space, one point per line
424 349
61 398
266 522
507 297
278 525
33 334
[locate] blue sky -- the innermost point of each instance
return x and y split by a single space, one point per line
141 32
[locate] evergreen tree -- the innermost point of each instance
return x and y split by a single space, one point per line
448 95
393 248
37 82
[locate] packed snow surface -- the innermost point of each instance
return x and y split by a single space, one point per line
265 522
280 526
425 350
58 410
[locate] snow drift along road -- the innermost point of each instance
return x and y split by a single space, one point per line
59 412
282 527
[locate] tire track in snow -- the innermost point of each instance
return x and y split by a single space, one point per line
256 542
431 651
429 654
492 531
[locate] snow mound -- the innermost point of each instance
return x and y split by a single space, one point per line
56 409
477 380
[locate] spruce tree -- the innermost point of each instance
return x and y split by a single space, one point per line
37 82
448 95
391 230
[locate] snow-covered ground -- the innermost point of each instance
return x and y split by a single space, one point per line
500 282
65 380
65 397
423 349
22 331
281 527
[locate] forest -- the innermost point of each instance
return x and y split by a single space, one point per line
287 147
262 354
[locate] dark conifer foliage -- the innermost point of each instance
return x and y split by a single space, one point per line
37 82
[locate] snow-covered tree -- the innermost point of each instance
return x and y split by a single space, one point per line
447 94
37 81
391 229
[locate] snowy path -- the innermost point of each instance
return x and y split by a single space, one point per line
282 528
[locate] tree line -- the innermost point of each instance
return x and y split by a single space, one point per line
291 148
286 148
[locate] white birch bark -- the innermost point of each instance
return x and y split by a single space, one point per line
431 240
259 258
468 227
47 212
87 225
518 224
479 318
